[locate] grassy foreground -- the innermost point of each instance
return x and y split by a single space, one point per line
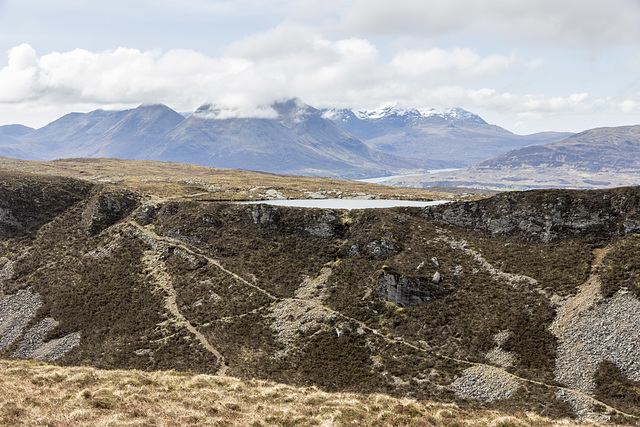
38 394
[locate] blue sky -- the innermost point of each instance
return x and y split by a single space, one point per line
522 64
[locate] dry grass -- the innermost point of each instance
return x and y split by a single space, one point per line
168 179
45 395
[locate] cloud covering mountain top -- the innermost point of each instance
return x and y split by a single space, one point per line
527 65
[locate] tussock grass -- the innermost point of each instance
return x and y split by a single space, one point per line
38 394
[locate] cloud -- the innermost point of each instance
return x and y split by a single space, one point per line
18 80
528 105
573 23
448 64
287 61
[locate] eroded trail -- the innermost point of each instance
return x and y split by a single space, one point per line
157 272
310 295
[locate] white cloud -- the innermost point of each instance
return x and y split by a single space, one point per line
576 23
18 80
300 63
448 64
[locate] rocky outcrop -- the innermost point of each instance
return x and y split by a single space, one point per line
107 208
264 215
16 311
324 225
405 292
8 219
377 249
547 215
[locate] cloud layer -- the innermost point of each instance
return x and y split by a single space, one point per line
575 23
521 60
284 62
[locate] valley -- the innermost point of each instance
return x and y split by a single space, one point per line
480 302
595 158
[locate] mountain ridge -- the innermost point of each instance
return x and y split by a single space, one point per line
287 137
454 137
596 158
298 141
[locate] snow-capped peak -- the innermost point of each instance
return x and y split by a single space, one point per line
380 112
393 111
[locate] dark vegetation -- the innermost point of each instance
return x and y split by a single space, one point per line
614 388
621 267
90 271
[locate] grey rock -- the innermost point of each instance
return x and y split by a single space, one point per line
105 209
546 215
325 225
264 215
7 218
354 250
33 345
379 249
403 291
15 313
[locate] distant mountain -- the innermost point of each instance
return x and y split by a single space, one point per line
298 141
453 137
596 158
96 134
611 149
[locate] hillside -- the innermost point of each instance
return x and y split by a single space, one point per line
519 302
452 138
596 158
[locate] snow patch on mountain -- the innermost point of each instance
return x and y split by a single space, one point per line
393 112
416 114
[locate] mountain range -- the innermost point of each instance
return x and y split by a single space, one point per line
454 137
597 158
298 139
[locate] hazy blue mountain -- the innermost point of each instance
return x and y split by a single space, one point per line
613 149
596 158
14 131
295 139
11 140
453 137
298 141
125 134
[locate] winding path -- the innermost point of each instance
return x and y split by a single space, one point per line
515 280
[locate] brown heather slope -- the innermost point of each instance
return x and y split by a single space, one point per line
168 179
453 303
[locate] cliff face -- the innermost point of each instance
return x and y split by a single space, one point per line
548 215
471 302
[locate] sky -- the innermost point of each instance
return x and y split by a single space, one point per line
525 65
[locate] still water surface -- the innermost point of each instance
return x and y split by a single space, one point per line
348 203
